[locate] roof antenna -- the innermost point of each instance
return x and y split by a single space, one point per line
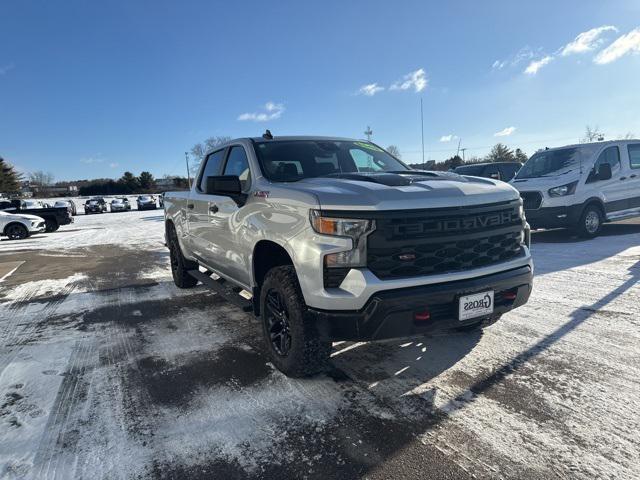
267 135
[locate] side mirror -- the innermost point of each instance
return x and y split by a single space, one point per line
604 172
225 185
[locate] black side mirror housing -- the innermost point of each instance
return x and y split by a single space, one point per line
226 185
604 172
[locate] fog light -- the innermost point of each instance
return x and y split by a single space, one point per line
423 316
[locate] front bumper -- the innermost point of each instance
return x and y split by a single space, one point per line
554 217
391 313
38 228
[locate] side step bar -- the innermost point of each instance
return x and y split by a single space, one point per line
230 292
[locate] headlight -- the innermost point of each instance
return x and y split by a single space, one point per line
355 229
563 190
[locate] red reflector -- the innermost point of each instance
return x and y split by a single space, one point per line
422 316
509 295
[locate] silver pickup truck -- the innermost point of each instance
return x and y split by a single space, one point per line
328 239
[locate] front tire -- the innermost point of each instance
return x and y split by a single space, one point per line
180 266
590 224
292 340
16 231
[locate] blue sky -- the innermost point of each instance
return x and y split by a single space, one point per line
91 89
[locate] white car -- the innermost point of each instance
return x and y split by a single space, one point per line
17 227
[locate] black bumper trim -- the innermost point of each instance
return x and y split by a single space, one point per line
554 217
391 313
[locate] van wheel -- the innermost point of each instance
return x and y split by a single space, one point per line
16 231
293 342
590 223
180 266
51 225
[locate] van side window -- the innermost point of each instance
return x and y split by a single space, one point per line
634 155
211 168
611 156
238 164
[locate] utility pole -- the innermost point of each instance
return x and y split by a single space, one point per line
458 151
422 130
463 150
186 157
368 132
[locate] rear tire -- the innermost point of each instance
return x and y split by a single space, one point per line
51 225
292 340
590 224
16 231
180 266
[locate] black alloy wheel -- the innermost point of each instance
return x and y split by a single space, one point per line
278 326
16 231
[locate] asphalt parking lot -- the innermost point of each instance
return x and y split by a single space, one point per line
107 370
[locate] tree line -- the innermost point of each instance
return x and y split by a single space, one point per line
127 184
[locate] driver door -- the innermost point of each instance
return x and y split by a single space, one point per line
613 189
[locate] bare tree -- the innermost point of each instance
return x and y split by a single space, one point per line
627 136
394 150
592 134
200 150
41 178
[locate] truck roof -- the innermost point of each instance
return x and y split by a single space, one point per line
604 142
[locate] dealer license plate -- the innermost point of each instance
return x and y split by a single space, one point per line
476 305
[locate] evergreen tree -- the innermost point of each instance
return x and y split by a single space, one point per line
147 182
520 156
500 153
129 182
9 178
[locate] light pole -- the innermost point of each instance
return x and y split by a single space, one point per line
186 157
422 130
368 132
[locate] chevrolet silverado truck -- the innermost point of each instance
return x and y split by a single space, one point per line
53 216
328 239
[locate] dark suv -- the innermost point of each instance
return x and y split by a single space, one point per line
504 171
95 205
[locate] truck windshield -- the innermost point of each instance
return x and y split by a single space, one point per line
548 163
293 160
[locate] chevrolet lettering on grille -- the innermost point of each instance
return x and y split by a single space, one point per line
458 224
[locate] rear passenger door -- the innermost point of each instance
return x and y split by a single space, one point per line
633 152
203 233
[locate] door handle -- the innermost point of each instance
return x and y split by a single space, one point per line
633 176
623 178
190 206
213 208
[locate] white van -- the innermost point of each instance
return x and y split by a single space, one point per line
581 186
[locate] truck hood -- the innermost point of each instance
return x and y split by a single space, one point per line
391 191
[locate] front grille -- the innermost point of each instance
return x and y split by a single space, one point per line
531 200
434 241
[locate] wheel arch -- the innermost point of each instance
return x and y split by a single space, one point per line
15 222
266 255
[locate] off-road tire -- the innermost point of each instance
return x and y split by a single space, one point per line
308 353
590 223
51 225
16 231
180 266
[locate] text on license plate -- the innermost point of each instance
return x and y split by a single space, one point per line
476 305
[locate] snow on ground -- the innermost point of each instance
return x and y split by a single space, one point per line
109 371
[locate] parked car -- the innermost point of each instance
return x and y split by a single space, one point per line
54 217
120 204
71 206
504 171
146 202
95 205
582 186
19 226
327 249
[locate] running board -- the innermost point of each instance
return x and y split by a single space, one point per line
223 288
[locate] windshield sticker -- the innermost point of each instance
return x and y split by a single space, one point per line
369 146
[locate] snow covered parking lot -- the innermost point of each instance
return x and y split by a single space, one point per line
109 371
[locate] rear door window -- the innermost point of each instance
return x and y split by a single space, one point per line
211 168
634 155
